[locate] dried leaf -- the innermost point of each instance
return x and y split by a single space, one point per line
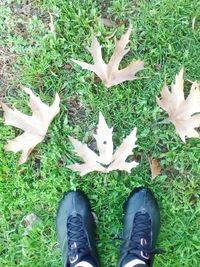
104 141
35 127
29 221
89 157
122 153
106 161
193 200
107 22
193 23
110 73
155 168
51 24
181 111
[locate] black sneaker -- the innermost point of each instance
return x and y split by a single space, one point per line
141 228
76 230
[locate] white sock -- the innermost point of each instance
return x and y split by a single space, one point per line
83 264
134 263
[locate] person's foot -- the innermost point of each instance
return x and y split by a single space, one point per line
76 231
141 229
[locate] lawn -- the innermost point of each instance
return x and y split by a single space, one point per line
35 55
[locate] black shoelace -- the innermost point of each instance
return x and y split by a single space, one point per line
77 240
140 243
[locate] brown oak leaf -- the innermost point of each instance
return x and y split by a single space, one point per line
155 168
106 161
183 113
35 127
110 73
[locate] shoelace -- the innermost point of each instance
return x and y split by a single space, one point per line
77 240
140 243
141 234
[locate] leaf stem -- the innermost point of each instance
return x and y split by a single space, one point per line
165 121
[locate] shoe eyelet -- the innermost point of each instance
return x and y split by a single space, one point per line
143 242
73 259
143 256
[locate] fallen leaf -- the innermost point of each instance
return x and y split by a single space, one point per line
193 23
155 168
35 127
107 22
181 111
122 153
51 23
110 73
68 66
29 221
193 200
106 161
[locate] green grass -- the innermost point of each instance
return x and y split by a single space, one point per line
164 39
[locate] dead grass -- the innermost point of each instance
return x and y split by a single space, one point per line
7 72
19 17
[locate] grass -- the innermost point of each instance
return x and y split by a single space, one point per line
164 39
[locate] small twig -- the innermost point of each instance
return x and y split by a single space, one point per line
165 121
193 23
111 36
51 24
144 77
195 83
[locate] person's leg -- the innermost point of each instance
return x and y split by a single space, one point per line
76 231
141 229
